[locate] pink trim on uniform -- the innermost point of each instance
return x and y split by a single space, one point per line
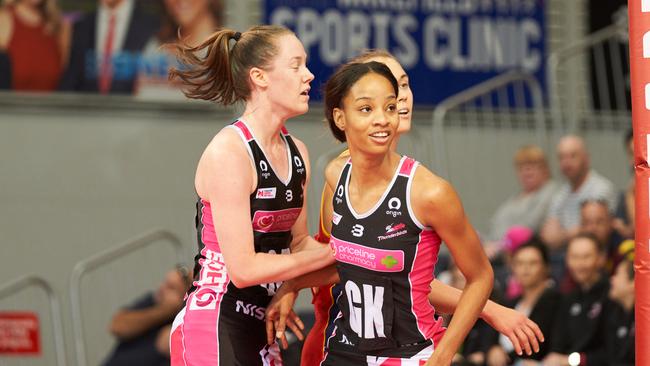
244 129
176 340
200 327
420 278
284 131
407 166
199 319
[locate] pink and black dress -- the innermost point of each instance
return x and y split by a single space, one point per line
220 323
385 259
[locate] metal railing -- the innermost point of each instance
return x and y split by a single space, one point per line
97 261
602 61
503 98
23 282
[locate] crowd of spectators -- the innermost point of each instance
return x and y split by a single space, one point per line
563 255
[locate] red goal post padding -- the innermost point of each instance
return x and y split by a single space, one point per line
639 16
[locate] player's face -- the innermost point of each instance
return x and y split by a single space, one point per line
405 95
369 115
528 267
289 77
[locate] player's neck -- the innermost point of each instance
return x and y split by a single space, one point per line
368 171
265 123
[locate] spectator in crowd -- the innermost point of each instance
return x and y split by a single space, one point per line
143 328
529 206
597 219
193 21
624 221
620 319
539 301
514 238
35 40
583 183
106 46
580 323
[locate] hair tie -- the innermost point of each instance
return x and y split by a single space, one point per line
236 36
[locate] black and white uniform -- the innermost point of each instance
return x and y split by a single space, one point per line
385 259
222 324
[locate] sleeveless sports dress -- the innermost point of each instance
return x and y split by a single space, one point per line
385 259
220 323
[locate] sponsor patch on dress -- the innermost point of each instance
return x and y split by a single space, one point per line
380 260
266 193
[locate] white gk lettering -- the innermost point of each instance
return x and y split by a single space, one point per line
250 309
366 318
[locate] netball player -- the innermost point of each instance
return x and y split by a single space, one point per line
251 182
523 333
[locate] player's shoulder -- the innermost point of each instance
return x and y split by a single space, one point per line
429 187
226 144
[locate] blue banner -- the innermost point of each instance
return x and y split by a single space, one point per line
446 46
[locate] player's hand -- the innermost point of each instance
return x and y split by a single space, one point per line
280 314
524 333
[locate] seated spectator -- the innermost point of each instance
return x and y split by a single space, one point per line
620 324
596 219
580 323
539 301
143 328
514 238
106 47
583 183
529 206
35 39
624 216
